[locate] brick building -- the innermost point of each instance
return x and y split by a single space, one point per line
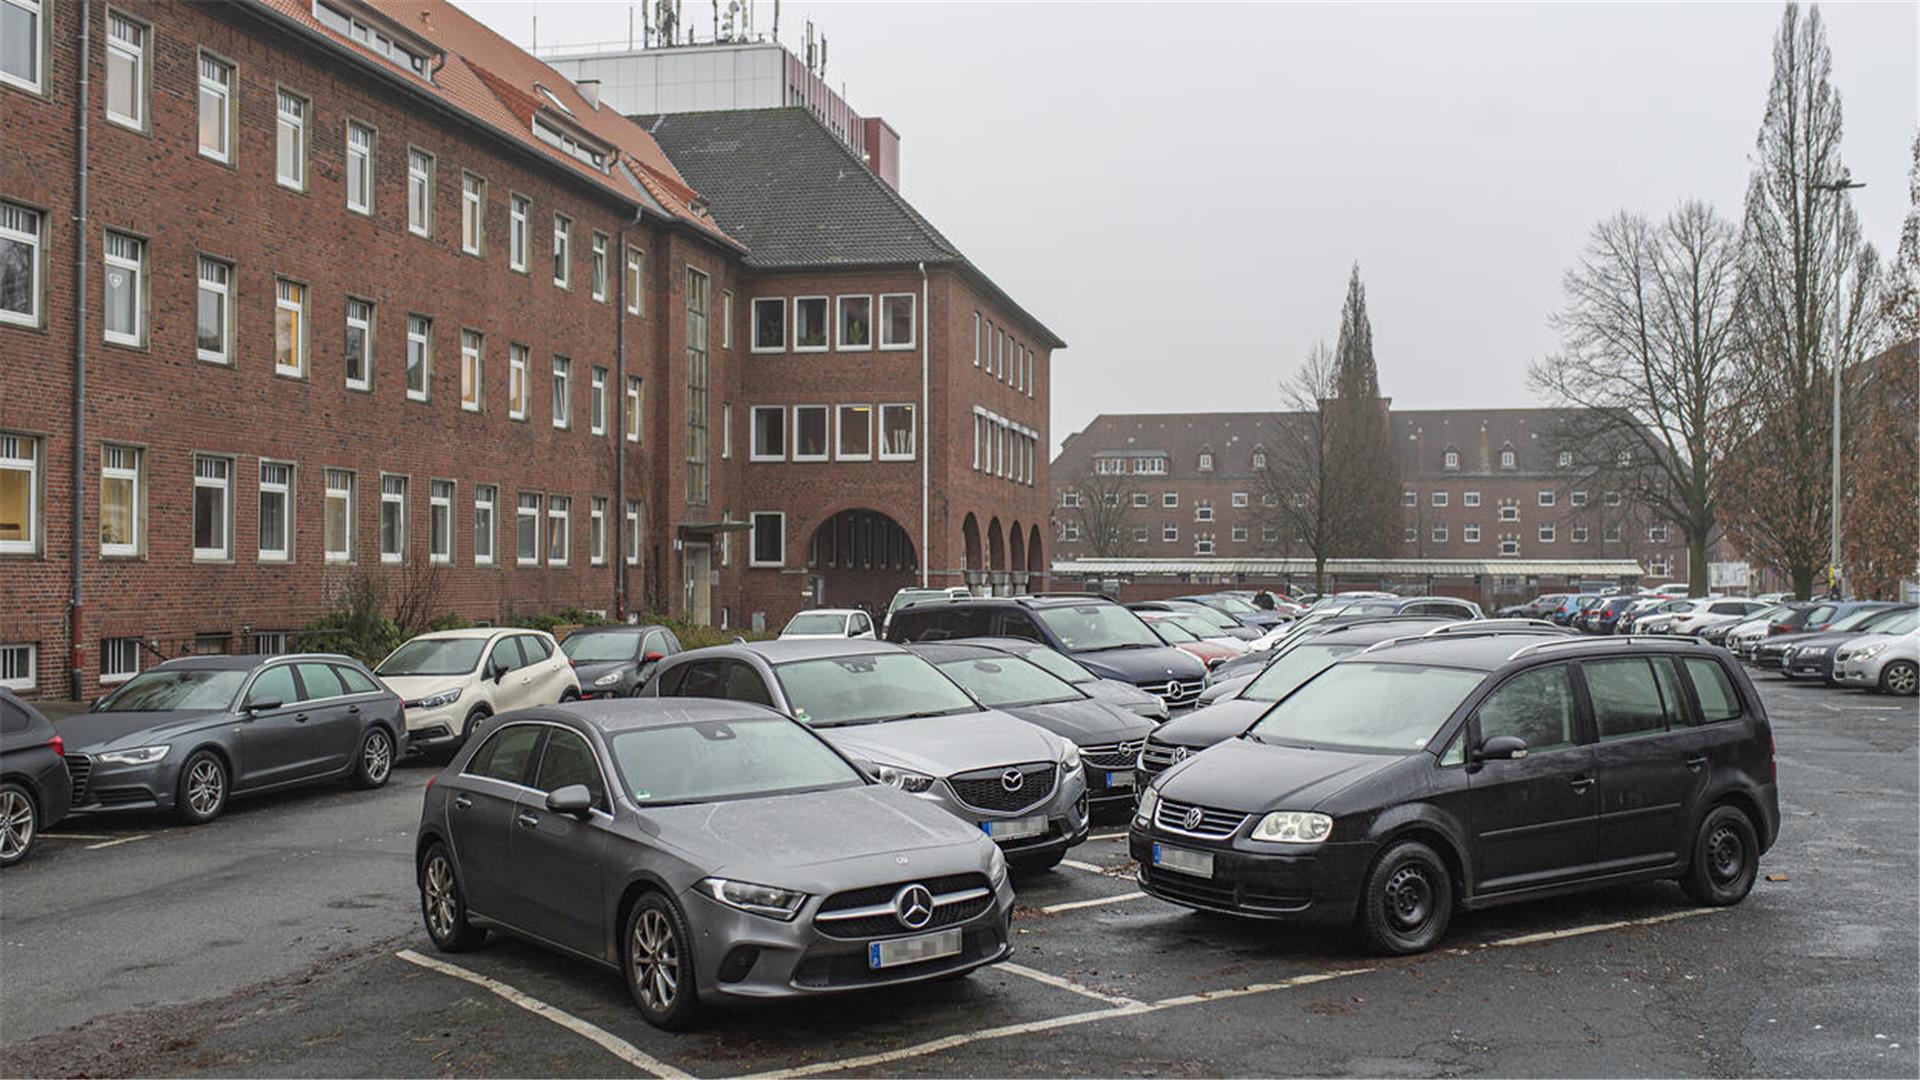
362 288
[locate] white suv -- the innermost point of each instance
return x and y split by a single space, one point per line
454 679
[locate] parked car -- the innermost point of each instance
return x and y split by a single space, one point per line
451 680
1107 639
914 727
1603 617
1744 637
830 623
1573 605
1462 771
1810 656
1184 636
917 596
1108 737
1715 613
709 851
1240 609
617 661
1070 671
187 735
1886 659
1642 606
35 788
1222 624
1661 620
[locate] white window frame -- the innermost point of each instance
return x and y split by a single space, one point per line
635 269
1450 461
1240 500
726 318
1509 512
1508 459
885 324
1579 535
1657 534
754 343
136 52
753 541
597 531
473 213
562 251
219 284
220 89
30 664
1438 499
1203 511
297 369
826 328
1203 545
128 469
1409 498
1140 499
136 266
1548 533
332 480
399 499
1169 534
13 216
598 270
1169 500
1470 534
224 485
634 417
440 496
364 324
421 169
522 511
979 342
840 343
597 401
473 356
1577 498
840 429
284 490
519 380
363 167
630 536
913 431
486 499
119 660
1509 547
826 442
519 209
36 10
754 449
292 122
562 387
1437 534
559 509
1546 498
420 334
1470 499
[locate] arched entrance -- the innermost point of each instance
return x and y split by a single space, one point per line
860 558
970 535
996 546
1035 565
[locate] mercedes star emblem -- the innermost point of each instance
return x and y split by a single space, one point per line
913 906
1193 818
1012 779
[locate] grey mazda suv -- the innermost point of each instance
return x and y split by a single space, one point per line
710 851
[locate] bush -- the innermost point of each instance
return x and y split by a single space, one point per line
694 636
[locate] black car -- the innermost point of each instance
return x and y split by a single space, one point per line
1104 637
35 789
188 734
1470 770
617 661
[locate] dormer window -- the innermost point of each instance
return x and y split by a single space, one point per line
1259 459
413 57
1566 459
553 99
1451 460
1507 458
1206 461
1624 459
569 144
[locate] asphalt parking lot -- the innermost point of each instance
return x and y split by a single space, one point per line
284 940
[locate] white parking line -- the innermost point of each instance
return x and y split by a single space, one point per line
1075 864
1109 836
72 836
1063 984
1595 928
1076 904
115 843
607 1041
950 1042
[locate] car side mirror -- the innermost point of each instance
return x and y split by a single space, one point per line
1502 748
574 800
499 674
653 657
264 705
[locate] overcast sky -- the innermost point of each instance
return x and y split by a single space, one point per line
1178 190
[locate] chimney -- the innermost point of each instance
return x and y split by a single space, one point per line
590 89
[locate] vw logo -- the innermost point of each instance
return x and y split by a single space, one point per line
1180 754
913 906
1012 779
1193 818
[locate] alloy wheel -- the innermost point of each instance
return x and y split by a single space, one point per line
377 757
1409 898
656 960
16 824
1901 678
205 786
438 883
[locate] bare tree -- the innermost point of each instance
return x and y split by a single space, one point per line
1297 487
1103 511
1647 363
1900 303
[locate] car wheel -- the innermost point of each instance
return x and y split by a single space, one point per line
569 694
19 823
659 964
1026 865
1901 677
443 906
474 719
1726 859
202 791
1408 900
375 762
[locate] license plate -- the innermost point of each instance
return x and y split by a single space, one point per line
1120 779
1016 828
1180 860
913 950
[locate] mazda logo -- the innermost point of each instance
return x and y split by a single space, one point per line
1012 779
913 906
1194 818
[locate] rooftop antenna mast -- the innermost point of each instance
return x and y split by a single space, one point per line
776 20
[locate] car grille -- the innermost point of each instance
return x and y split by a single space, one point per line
1177 693
956 898
850 968
79 767
1118 755
986 789
1212 824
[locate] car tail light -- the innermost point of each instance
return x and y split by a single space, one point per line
58 745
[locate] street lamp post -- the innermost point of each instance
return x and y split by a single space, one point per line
1839 187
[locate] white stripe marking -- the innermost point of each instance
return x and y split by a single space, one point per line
1076 904
607 1041
73 836
952 1042
116 843
1064 984
1595 928
1076 864
1109 836
1258 988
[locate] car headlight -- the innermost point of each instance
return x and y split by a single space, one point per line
145 755
608 679
1869 651
1149 802
435 701
1293 827
1071 760
782 904
996 867
905 779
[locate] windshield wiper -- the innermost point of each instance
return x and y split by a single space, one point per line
926 713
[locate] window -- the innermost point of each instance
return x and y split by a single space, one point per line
1718 699
559 542
569 144
1612 498
518 358
1239 500
276 511
1509 512
696 387
336 523
1203 511
896 321
393 519
289 328
633 532
213 312
633 408
1270 534
809 324
119 659
1546 534
1612 533
1239 534
484 496
597 401
1438 534
769 433
1629 696
562 392
809 433
1565 459
17 662
999 352
419 192
126 71
1070 499
440 521
1578 498
1409 498
1535 706
635 280
1658 566
1412 534
1546 498
1206 461
1170 533
563 251
19 259
1507 460
769 539
856 433
1509 546
979 340
419 356
1579 534
212 509
1203 546
472 351
1140 499
1259 459
291 142
856 324
897 433
124 289
1657 534
1438 498
526 530
597 531
274 643
473 214
769 324
347 26
359 344
1450 460
1070 532
1471 498
119 500
22 55
360 168
1169 499
1470 533
517 210
597 275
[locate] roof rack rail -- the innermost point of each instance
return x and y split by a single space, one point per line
1469 626
1632 639
1491 631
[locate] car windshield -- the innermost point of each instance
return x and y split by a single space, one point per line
1368 706
1904 623
1060 667
867 688
1773 612
1082 627
1293 667
179 690
1207 616
816 622
434 656
712 760
1195 625
589 648
1171 632
1002 681
1231 603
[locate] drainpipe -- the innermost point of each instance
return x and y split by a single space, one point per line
926 427
618 552
76 611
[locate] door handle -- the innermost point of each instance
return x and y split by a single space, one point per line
461 802
1582 783
1697 762
354 709
527 819
299 718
